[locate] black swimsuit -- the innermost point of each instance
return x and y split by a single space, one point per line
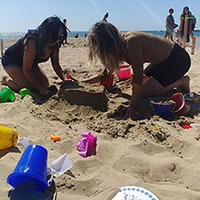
14 55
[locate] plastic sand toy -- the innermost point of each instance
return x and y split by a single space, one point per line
87 145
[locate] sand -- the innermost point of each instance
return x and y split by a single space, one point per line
150 152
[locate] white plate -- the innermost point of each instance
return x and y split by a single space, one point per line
134 193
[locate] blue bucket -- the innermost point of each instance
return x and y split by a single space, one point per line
32 167
162 110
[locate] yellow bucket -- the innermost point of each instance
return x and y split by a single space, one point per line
8 137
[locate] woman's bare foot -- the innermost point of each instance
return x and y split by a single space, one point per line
4 80
10 83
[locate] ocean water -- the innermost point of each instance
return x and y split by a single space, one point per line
158 33
81 34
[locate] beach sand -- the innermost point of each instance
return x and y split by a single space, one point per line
150 152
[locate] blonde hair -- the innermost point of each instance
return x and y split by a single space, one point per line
105 44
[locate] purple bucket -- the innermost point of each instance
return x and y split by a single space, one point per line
162 110
32 167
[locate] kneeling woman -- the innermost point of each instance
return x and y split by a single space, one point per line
21 60
169 62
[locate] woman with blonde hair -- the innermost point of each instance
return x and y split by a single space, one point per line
168 61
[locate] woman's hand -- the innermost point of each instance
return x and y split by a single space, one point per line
131 111
98 78
136 93
92 80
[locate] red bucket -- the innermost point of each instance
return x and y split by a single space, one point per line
124 72
180 105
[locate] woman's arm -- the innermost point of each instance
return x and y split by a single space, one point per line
136 90
56 65
181 23
98 78
68 29
92 80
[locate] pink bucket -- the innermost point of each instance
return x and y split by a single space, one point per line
124 72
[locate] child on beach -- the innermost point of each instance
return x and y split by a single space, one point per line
169 62
170 25
21 60
65 35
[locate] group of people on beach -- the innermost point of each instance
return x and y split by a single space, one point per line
169 62
186 27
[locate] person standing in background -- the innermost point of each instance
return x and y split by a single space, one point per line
170 25
185 23
64 41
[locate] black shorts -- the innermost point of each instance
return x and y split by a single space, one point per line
7 62
172 69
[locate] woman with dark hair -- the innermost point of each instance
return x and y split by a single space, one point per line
186 17
169 62
21 60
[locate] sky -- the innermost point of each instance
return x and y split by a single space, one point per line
21 15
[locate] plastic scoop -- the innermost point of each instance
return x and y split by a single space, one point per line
87 145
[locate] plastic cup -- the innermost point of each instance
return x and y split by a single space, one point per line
8 137
6 95
32 167
24 91
124 72
162 110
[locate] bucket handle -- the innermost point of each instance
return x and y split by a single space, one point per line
50 172
125 68
175 111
